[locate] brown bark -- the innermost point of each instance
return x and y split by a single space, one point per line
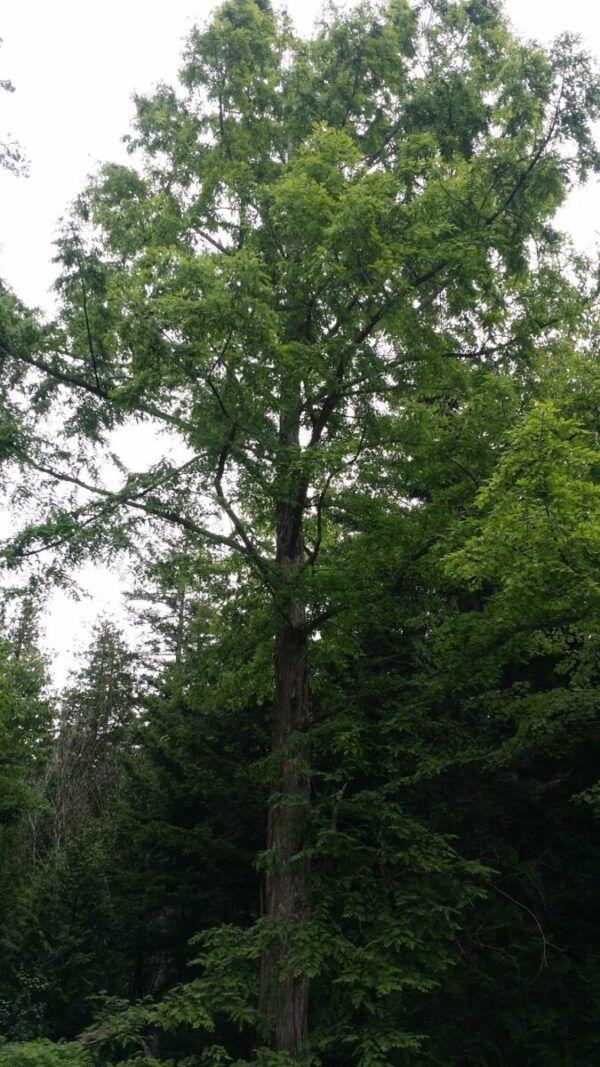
284 998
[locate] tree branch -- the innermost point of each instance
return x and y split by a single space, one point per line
123 497
215 243
67 378
250 547
87 324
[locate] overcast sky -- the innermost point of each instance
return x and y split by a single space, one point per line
75 67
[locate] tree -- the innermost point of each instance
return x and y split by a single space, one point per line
96 712
25 719
25 746
328 249
58 899
512 669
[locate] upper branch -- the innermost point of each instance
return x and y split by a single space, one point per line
124 497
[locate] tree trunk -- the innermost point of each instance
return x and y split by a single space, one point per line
284 999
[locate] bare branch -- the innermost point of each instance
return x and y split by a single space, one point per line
87 324
215 243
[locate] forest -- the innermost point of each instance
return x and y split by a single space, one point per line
331 797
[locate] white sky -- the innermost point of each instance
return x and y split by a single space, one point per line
75 66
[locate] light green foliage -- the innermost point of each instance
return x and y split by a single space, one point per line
44 1054
541 511
535 550
348 241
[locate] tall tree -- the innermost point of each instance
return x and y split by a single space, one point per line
325 244
96 711
25 725
58 907
25 747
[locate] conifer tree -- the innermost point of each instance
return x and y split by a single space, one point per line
92 733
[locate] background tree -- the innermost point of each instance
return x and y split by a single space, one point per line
96 714
58 912
25 747
515 667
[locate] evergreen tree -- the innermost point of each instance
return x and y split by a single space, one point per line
25 745
95 716
56 933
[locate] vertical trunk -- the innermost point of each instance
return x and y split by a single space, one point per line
180 631
284 999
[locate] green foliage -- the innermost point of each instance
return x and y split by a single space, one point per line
57 903
24 729
44 1054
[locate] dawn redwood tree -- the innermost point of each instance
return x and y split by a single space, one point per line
322 247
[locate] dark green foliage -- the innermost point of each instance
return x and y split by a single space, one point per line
24 728
58 905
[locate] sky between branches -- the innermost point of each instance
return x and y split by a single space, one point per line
75 67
